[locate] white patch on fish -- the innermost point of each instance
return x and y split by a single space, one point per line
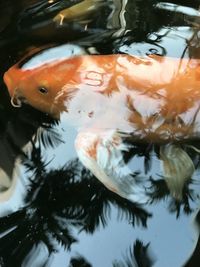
101 152
53 55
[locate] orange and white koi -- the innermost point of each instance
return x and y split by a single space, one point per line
106 97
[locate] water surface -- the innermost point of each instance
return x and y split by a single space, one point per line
55 212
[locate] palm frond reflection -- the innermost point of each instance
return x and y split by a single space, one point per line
57 202
79 261
173 177
138 255
159 190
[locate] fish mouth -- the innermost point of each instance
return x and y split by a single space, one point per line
17 99
9 83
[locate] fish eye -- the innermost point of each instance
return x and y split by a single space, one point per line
43 90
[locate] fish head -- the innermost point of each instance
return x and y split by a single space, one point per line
45 79
11 79
44 88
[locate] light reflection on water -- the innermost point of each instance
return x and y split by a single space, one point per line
169 40
171 239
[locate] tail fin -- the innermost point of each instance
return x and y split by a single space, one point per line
178 168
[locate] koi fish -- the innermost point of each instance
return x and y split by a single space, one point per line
77 11
109 97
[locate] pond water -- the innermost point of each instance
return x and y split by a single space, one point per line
53 211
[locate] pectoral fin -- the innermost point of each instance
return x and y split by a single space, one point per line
101 153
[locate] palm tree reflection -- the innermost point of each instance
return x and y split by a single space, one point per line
158 188
139 256
56 202
79 261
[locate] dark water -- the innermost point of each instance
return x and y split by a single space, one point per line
55 213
